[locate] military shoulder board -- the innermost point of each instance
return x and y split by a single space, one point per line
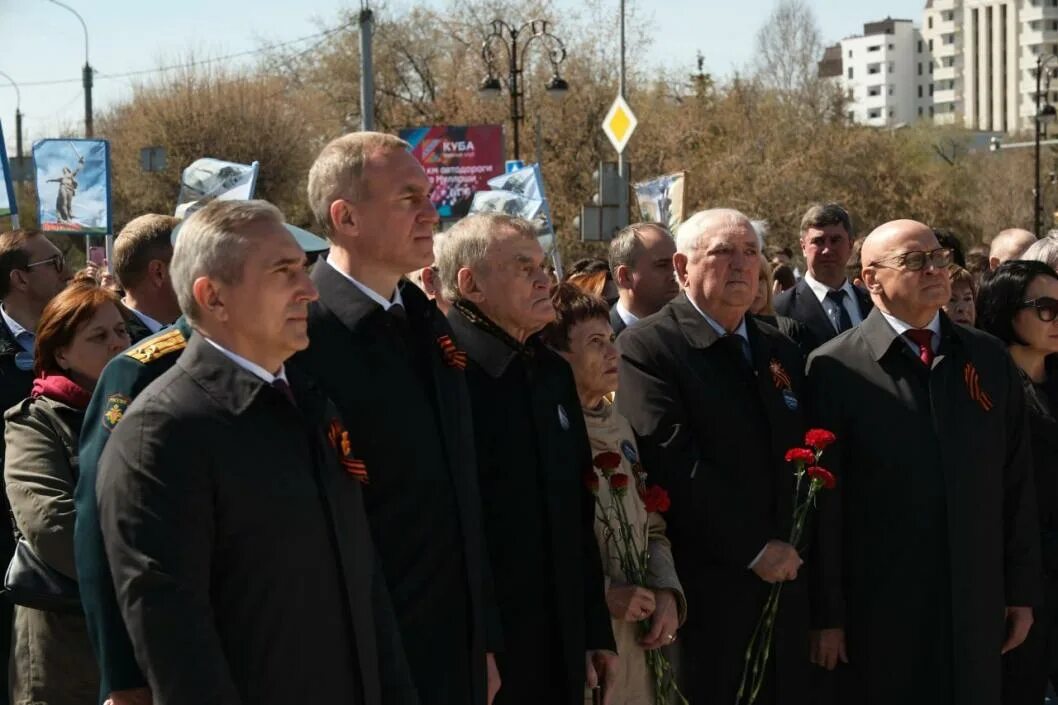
159 346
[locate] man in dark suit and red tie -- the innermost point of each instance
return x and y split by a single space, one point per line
824 301
933 572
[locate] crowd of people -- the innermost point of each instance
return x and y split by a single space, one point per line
245 471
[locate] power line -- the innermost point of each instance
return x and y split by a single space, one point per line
191 64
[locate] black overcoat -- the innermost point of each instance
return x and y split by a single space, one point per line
713 430
532 449
239 546
408 414
936 509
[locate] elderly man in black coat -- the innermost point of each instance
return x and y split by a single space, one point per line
715 399
532 450
380 351
933 564
230 502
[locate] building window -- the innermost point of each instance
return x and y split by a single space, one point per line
874 114
920 111
892 46
890 113
852 116
919 46
850 53
890 90
931 67
931 111
871 69
930 21
931 90
850 72
931 45
876 47
920 68
920 91
948 39
873 91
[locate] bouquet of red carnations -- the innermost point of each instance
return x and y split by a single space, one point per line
806 464
630 544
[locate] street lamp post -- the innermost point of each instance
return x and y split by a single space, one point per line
508 36
86 72
18 116
1044 114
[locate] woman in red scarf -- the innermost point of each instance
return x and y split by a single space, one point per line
80 330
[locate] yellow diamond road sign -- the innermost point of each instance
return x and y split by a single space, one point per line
619 124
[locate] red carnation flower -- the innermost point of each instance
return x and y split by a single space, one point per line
800 455
607 462
656 499
618 483
591 481
823 476
819 438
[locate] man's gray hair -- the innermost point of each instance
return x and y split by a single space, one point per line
466 244
338 172
626 247
211 244
1044 250
689 234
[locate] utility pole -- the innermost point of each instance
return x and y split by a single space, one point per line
367 75
623 201
86 72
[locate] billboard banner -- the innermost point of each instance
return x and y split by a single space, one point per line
528 183
73 185
459 160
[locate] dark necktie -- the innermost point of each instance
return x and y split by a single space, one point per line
842 321
739 348
923 338
283 388
398 312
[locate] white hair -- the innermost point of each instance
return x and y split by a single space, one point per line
689 234
761 228
210 244
466 243
1044 250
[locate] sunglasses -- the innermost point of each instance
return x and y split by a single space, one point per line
57 261
1046 308
916 260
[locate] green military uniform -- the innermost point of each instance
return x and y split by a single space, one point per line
123 378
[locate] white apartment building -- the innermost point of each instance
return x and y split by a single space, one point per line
876 70
972 64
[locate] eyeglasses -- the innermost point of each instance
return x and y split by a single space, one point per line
1046 308
940 258
57 261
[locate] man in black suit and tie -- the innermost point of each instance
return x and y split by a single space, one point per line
641 266
933 564
380 350
824 301
229 503
142 253
715 399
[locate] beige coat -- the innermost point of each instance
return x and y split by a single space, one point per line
52 661
609 431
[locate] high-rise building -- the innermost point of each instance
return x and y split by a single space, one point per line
877 72
973 64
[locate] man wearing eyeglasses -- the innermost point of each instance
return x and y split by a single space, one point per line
32 271
933 572
824 301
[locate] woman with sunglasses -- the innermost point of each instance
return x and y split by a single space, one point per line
1019 305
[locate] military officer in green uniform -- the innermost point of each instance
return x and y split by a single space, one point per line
121 679
123 378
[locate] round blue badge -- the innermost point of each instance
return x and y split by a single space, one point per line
629 451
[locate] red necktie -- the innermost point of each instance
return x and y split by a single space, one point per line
923 338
